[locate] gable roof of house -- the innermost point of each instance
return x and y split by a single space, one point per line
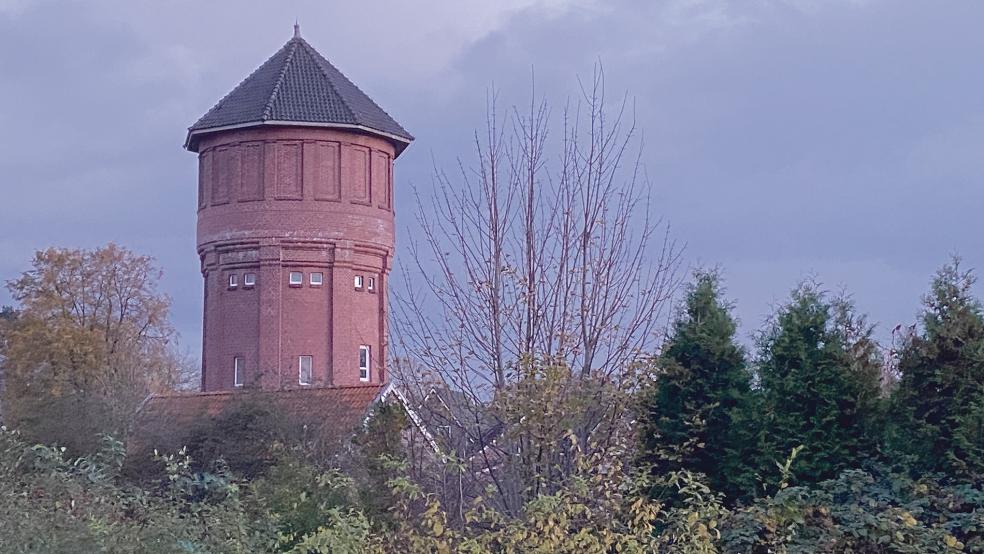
457 423
298 86
339 404
335 413
332 414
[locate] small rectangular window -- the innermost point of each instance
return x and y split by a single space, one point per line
358 281
364 360
249 279
317 279
233 280
371 284
237 371
296 278
304 370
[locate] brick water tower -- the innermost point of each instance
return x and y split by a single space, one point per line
295 227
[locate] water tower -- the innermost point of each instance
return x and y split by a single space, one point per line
295 227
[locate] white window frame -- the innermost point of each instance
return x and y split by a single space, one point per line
319 282
364 370
237 371
300 370
359 280
249 279
371 284
233 280
298 282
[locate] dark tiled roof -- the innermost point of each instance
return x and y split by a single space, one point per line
457 423
297 84
335 412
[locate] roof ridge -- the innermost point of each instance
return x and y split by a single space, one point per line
280 80
318 59
218 105
188 394
330 387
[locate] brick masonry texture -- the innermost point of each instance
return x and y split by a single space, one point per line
275 200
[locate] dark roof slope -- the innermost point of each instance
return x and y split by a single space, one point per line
298 85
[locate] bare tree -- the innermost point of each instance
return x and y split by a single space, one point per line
531 260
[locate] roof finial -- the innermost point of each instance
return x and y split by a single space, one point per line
297 29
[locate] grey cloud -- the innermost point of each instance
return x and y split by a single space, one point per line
782 138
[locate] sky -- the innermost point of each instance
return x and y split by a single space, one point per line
840 140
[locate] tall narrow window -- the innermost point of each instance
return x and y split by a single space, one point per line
304 370
371 284
237 371
358 281
233 280
296 278
365 358
317 279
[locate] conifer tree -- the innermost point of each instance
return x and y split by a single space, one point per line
938 407
819 374
696 413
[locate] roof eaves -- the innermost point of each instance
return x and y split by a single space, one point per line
390 389
321 62
192 132
222 101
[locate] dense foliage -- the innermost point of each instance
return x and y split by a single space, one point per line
817 443
696 413
819 384
49 503
938 408
90 340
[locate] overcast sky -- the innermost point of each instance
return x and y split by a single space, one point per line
786 138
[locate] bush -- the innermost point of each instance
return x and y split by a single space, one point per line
862 512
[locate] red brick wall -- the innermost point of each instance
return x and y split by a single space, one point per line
276 200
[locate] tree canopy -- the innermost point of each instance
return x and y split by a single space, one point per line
818 370
90 340
938 408
696 414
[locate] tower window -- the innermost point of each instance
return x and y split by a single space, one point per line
365 358
296 278
371 284
358 281
304 370
317 279
233 280
249 279
237 371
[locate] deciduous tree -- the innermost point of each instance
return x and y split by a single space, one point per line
532 259
92 339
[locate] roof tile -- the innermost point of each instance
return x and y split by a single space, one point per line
297 84
337 411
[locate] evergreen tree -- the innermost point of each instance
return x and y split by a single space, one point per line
819 374
938 407
696 413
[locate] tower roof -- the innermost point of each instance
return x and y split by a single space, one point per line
298 86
